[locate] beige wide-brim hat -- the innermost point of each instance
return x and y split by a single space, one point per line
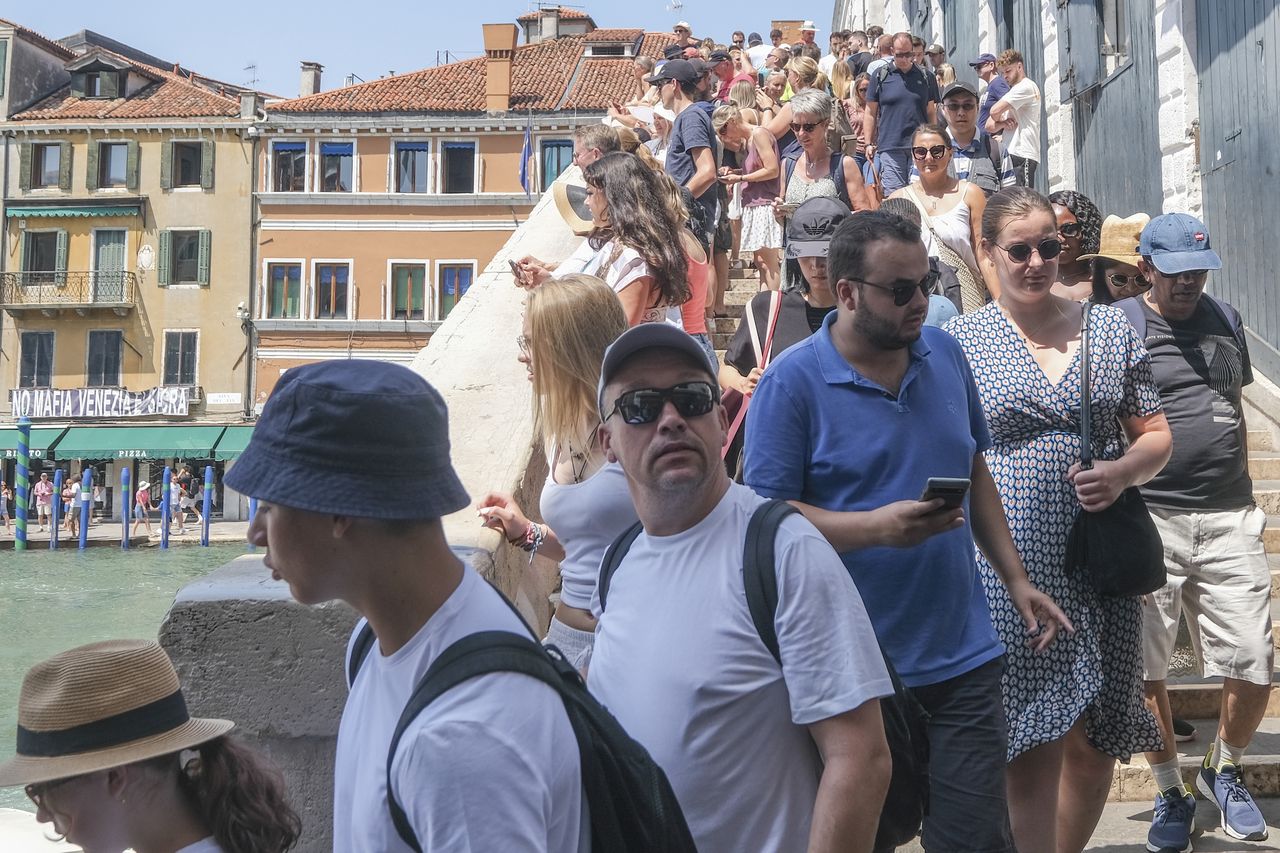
1119 240
571 201
100 706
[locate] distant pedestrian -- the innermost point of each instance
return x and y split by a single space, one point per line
6 495
994 89
176 512
1018 114
71 496
99 500
111 759
43 491
142 508
187 500
901 97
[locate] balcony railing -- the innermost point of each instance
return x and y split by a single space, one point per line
67 289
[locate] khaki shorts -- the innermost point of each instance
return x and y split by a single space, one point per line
1218 574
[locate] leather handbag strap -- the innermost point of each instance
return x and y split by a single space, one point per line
1086 393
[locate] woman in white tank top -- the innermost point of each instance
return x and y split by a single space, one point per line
568 324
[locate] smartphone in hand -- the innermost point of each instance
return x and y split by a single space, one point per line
516 271
950 489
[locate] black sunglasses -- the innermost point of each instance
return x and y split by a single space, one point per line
807 126
36 791
937 152
1021 252
1069 229
902 294
1137 280
644 405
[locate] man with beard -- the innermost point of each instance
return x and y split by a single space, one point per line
762 754
851 425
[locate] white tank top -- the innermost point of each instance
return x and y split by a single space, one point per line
586 517
952 227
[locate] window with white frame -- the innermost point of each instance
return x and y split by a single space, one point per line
458 167
289 167
408 291
331 288
283 297
453 280
337 167
181 349
413 167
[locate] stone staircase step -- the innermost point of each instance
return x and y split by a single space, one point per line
750 273
1264 465
1271 536
1267 495
1261 439
1195 698
1273 560
1133 783
721 340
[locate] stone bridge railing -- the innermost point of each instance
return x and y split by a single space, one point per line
247 652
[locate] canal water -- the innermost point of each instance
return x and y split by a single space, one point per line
53 600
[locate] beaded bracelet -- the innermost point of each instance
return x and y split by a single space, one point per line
533 537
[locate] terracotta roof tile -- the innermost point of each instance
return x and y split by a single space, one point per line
626 36
654 43
169 96
33 36
540 75
565 13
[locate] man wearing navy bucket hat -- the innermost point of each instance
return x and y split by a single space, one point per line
1203 506
350 464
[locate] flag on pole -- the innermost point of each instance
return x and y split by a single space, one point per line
526 154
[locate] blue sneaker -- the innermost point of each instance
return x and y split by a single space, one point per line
1171 825
1225 788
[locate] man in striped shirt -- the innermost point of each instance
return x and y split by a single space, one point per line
974 153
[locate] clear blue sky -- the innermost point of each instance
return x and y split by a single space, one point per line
366 38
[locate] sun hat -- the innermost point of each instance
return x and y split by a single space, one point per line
570 196
811 226
1177 243
1119 240
660 110
983 59
145 484
649 336
934 48
100 706
355 438
808 26
682 25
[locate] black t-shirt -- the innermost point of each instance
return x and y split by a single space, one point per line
690 131
796 322
1200 366
858 62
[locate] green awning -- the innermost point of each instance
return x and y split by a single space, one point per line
41 440
140 442
232 443
72 210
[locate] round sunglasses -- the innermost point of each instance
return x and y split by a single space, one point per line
1021 252
1137 280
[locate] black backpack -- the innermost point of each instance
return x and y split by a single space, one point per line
905 721
631 804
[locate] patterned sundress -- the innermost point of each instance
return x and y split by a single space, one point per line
1035 431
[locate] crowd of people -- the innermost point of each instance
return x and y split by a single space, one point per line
943 373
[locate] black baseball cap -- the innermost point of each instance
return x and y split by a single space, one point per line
672 51
812 225
963 87
718 56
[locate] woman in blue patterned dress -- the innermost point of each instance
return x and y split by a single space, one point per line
1078 707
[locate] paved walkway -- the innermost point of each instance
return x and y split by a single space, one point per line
107 534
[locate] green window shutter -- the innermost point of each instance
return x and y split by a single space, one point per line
91 174
206 243
166 165
162 266
131 166
62 257
206 164
77 85
64 166
111 84
24 167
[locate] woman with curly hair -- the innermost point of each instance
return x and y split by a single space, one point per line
110 757
1080 230
635 243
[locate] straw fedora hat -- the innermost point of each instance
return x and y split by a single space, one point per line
571 200
1119 241
100 706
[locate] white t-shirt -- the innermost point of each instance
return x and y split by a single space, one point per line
758 55
618 267
1024 140
826 63
204 845
490 765
678 661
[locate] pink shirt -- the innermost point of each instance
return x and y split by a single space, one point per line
43 490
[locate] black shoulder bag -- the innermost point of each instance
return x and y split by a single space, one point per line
1117 549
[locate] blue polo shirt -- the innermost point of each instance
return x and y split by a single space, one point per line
904 105
819 432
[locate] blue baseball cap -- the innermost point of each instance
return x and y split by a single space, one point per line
1176 243
983 59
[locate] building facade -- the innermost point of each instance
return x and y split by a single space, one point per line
126 260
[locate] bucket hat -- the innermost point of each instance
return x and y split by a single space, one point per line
1177 243
1119 240
352 437
100 706
811 226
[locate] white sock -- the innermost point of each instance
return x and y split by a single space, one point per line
1167 775
1225 753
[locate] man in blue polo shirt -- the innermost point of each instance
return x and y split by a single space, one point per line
850 425
985 67
900 97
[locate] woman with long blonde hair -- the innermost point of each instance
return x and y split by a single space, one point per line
568 324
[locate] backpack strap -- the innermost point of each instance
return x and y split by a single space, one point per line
477 654
995 155
759 570
359 651
613 558
837 177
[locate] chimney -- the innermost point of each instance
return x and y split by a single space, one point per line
250 103
499 46
310 79
549 23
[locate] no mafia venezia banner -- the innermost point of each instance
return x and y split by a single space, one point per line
67 403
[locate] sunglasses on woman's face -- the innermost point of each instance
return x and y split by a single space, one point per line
937 152
904 293
1021 252
37 791
644 405
807 126
1122 281
1069 229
